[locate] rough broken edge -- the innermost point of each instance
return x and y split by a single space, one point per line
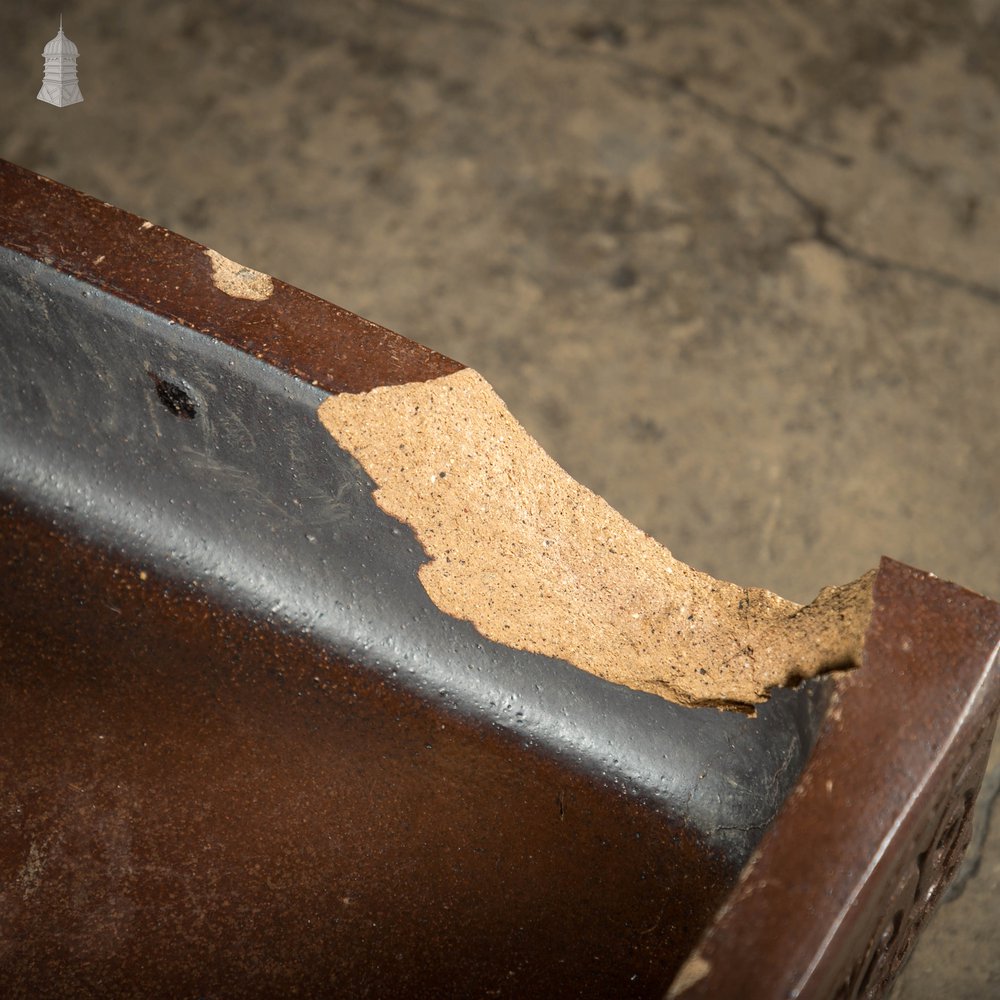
691 972
238 281
536 561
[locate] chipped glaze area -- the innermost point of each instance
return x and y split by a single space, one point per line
238 281
538 562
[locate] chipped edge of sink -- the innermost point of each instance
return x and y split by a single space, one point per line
872 829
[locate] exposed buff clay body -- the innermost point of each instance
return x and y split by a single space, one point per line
537 561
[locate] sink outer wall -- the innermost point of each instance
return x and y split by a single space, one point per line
273 762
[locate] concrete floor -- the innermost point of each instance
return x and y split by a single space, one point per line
735 264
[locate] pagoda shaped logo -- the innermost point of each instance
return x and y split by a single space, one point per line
59 85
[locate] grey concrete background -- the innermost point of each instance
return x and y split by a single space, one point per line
735 264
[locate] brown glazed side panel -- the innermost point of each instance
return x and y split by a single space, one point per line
899 905
863 848
194 803
171 276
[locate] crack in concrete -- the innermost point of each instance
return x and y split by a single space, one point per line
821 233
721 113
674 83
678 85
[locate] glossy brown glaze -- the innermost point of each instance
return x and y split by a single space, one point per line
172 276
195 803
202 801
862 850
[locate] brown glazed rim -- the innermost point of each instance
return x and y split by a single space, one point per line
167 274
859 854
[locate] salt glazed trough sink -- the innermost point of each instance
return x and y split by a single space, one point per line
319 678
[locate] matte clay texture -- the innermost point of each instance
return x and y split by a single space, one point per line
538 562
238 281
